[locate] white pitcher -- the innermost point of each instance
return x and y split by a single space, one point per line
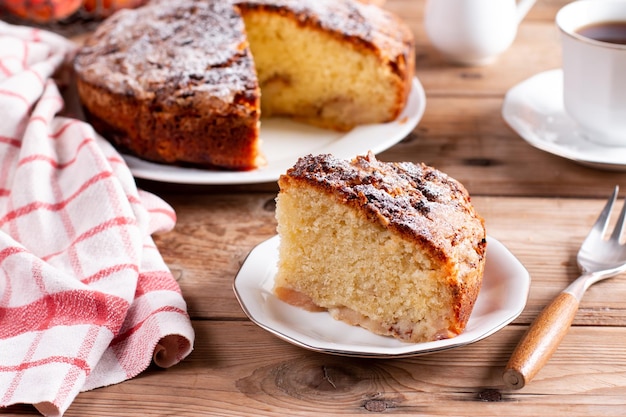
473 32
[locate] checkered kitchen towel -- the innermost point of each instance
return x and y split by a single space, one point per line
85 297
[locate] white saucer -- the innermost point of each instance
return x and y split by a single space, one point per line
502 298
534 109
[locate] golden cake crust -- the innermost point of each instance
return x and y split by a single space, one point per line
414 201
174 84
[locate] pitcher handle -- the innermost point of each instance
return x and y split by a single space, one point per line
523 7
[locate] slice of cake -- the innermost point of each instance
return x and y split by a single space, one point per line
396 248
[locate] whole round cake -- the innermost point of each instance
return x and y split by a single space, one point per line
180 82
396 248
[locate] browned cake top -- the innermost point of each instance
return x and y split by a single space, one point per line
175 48
365 24
415 200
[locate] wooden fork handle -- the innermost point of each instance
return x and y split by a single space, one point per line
540 341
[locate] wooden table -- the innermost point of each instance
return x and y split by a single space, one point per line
539 205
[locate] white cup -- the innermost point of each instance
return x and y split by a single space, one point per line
594 73
473 32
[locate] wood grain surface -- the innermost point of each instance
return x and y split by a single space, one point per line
538 205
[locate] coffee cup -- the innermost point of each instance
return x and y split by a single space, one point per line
593 39
473 32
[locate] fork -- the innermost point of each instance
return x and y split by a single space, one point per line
598 258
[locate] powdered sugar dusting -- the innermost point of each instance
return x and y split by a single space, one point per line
197 46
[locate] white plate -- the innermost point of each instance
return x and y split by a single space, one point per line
501 299
534 109
284 141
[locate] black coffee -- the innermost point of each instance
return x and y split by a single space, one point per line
611 32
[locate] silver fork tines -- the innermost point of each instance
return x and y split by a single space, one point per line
601 255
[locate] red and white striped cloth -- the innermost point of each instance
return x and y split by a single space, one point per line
86 299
